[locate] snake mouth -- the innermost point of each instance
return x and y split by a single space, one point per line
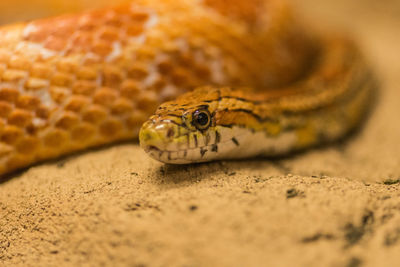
182 156
151 148
167 156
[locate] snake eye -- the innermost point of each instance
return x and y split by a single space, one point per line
201 119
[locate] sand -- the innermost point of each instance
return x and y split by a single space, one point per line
333 206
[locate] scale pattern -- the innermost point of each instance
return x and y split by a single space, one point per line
78 81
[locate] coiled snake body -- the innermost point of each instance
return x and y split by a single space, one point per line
78 81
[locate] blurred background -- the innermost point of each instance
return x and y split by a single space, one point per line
17 10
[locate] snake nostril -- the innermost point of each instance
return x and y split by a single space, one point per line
170 133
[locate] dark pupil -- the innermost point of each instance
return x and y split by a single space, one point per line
202 119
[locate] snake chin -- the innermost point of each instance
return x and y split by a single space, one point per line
171 157
185 156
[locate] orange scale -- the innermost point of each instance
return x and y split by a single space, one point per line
59 94
169 47
5 152
19 63
122 106
41 30
9 95
185 59
180 77
82 39
122 10
83 87
130 89
5 109
111 128
135 120
55 138
12 75
20 118
145 54
101 48
67 65
11 134
203 72
43 112
148 101
94 114
55 43
17 161
5 56
91 59
86 73
82 133
87 22
65 26
137 71
109 34
73 50
32 129
159 84
62 79
112 76
27 102
67 120
114 22
28 145
2 70
139 16
77 103
165 67
134 30
105 96
40 70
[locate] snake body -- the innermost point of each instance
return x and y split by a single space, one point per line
78 81
214 123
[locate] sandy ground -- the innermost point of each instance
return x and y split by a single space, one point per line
334 206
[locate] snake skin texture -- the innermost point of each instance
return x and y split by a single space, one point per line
78 81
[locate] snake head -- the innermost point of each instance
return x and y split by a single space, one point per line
180 130
193 128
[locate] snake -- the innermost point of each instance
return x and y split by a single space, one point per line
194 80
